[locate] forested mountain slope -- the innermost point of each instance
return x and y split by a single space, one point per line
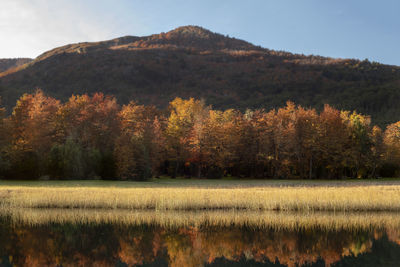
10 63
193 62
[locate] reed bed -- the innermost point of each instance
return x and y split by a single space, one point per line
264 198
175 219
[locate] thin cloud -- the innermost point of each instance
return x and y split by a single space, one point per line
29 28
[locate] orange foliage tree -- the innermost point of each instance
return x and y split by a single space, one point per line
92 137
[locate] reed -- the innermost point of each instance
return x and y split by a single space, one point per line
358 197
327 221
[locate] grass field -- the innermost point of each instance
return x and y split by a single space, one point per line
211 218
171 194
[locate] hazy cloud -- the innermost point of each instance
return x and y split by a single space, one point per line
31 27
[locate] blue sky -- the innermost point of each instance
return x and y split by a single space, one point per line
337 28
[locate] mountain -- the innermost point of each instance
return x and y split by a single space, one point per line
191 61
10 63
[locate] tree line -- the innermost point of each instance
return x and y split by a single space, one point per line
92 137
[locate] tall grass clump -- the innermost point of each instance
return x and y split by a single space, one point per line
211 218
263 198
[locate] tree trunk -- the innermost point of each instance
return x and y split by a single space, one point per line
199 170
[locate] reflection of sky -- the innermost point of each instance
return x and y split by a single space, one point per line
341 28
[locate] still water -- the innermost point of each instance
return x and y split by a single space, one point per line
117 244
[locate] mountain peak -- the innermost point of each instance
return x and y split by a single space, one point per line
191 61
196 37
192 31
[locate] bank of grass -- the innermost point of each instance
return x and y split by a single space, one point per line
211 218
192 195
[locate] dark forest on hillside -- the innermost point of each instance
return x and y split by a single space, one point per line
194 62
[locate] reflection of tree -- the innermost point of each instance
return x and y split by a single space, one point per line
69 245
184 248
286 247
383 253
110 245
137 246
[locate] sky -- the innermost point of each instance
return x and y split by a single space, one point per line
363 29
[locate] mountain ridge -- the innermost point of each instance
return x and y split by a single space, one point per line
192 33
191 61
10 63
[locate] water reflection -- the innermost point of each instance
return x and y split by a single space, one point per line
113 244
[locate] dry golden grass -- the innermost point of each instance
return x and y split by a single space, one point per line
176 219
374 197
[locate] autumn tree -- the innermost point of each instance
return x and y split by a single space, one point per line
4 142
359 144
392 150
87 127
139 150
91 137
184 134
219 142
33 132
250 143
304 141
283 140
332 143
377 151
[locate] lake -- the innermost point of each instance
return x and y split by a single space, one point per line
94 238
